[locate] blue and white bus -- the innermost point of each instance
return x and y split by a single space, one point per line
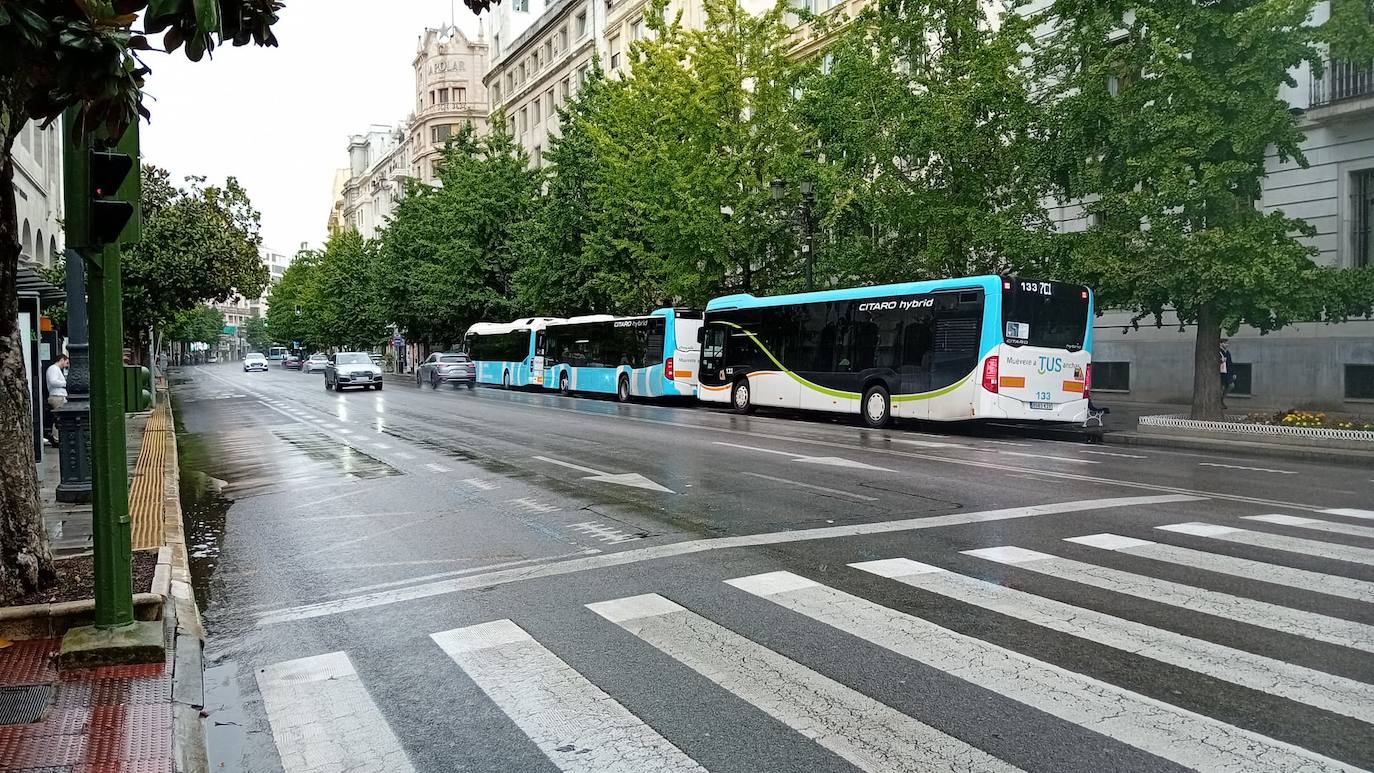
985 347
504 353
650 356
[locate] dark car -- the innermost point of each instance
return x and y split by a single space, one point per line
292 362
447 368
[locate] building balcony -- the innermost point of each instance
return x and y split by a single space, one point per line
1343 82
479 108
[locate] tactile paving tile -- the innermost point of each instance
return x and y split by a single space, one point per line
142 671
29 662
113 692
123 733
47 751
133 766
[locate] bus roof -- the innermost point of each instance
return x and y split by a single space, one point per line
524 323
989 283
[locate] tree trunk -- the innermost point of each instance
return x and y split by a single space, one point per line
1207 366
25 561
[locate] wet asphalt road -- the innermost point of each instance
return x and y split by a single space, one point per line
399 580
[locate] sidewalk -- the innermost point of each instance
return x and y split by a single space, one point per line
120 718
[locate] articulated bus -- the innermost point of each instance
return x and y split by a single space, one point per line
650 356
505 352
985 347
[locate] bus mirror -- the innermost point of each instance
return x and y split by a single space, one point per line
701 334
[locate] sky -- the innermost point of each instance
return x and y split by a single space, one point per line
279 119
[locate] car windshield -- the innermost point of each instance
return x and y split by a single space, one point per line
352 358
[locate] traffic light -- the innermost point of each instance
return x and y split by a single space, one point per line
109 213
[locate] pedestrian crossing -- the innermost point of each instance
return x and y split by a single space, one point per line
583 720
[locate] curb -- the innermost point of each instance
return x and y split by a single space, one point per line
1244 448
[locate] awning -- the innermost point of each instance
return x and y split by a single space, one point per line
31 282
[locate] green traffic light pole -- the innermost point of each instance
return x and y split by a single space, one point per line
116 637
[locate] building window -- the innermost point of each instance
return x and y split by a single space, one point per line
522 72
615 52
562 38
496 92
581 24
1359 382
534 111
1112 376
548 52
443 96
564 89
510 81
495 45
534 63
638 30
432 99
524 123
1362 218
520 6
460 94
548 104
440 133
538 156
582 76
1240 378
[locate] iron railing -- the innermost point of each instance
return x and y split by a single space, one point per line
1342 80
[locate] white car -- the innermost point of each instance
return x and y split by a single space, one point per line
255 361
314 362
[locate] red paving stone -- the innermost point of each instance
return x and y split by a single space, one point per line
102 720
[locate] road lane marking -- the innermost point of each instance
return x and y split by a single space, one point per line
828 461
315 502
576 725
1305 547
866 733
814 487
1276 677
1119 456
925 443
605 533
533 505
1258 571
323 719
1176 734
1261 614
687 547
1351 512
1044 456
352 516
437 467
1312 523
1243 467
480 484
631 479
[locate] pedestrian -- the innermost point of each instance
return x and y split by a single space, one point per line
56 380
1228 375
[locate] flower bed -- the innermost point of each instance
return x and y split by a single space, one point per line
1311 419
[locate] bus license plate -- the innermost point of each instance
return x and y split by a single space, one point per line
1042 406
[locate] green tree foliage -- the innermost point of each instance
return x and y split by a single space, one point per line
449 253
930 134
56 54
346 307
1162 115
255 332
198 324
291 313
199 243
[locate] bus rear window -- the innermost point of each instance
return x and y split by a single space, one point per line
1049 314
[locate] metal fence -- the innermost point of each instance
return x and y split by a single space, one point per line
1342 80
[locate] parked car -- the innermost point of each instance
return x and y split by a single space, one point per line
351 369
292 362
255 361
376 359
314 362
212 359
451 368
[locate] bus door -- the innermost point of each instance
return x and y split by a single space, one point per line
537 361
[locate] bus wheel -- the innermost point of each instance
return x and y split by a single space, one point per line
563 387
740 397
877 407
622 390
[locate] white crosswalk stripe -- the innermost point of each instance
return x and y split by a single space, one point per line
1306 547
323 719
1259 571
1315 688
1314 524
1258 613
1351 512
575 724
868 734
1176 734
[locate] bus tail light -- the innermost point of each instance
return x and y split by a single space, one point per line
668 368
990 374
1087 381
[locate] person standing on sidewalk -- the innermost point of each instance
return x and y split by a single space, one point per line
1227 372
56 380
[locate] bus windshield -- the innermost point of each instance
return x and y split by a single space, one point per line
1053 315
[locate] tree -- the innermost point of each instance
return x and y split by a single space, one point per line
55 54
255 332
291 315
449 254
1161 117
930 134
198 244
199 324
347 309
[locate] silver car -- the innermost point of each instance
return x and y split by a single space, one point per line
447 368
351 369
314 362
